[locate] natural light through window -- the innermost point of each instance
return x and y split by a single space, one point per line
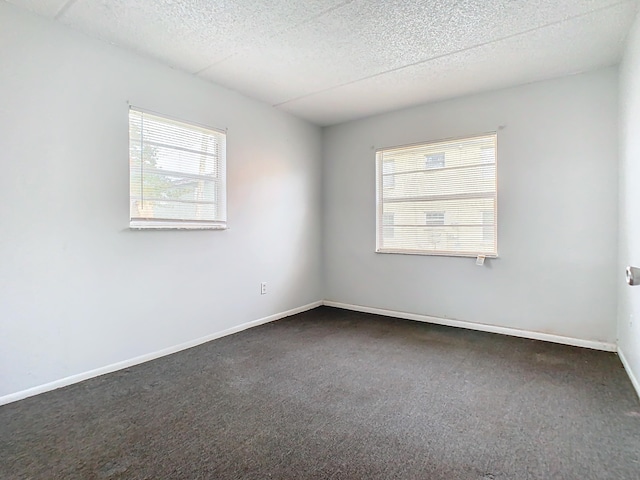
438 198
177 173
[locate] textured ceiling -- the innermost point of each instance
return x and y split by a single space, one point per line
330 61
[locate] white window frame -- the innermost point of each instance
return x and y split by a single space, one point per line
380 193
217 221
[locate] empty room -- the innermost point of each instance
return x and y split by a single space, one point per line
328 239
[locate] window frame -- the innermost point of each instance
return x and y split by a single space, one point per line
220 222
380 204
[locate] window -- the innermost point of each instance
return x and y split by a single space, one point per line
177 174
488 154
388 220
434 218
488 231
388 180
438 208
434 160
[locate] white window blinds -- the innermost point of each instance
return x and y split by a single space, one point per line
177 173
438 198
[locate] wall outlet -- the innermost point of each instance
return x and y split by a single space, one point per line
263 288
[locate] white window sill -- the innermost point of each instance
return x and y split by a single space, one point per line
175 226
436 254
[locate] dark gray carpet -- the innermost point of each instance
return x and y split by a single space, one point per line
340 395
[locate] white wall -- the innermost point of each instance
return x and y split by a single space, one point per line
557 211
78 289
629 237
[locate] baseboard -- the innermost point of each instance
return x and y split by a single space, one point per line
627 367
514 332
63 382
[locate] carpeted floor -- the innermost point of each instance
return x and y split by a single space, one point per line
338 395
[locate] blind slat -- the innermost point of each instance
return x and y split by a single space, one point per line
175 147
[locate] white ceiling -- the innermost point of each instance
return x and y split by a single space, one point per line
330 61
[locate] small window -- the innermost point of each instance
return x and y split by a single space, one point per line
388 180
488 154
438 208
177 174
434 218
488 229
434 160
388 221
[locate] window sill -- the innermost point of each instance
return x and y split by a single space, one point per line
175 226
437 254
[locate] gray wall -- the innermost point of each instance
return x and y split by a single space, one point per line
557 211
78 289
629 297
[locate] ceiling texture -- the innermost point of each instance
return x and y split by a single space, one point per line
330 61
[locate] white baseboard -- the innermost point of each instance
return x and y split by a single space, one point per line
514 332
63 382
627 367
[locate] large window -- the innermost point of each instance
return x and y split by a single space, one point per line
177 173
441 196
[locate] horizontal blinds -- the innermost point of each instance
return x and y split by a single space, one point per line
438 198
177 172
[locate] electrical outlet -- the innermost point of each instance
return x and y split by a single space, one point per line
263 288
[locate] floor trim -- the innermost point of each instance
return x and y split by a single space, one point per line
63 382
547 337
627 367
